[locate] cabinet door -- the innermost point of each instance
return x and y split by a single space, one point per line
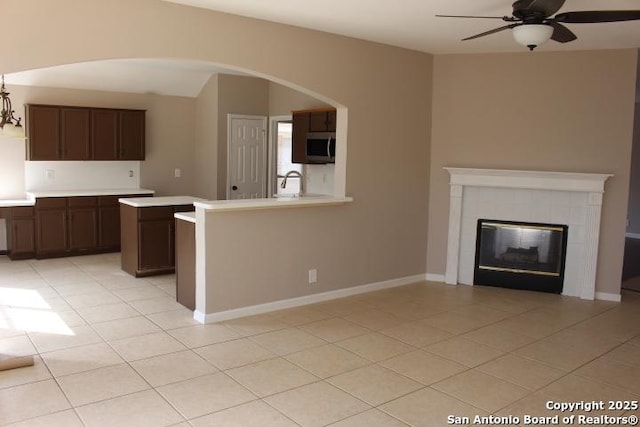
104 134
331 121
22 242
299 137
43 132
51 232
322 121
109 227
75 133
83 229
156 242
132 135
318 121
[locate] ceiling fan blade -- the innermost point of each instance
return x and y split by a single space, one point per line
562 34
469 16
495 30
594 16
546 7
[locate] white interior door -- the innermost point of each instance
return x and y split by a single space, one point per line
246 165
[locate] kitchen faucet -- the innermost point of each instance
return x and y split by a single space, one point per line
294 173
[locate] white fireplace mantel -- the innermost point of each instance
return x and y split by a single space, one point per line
581 269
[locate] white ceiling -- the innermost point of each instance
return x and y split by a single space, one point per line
406 23
412 23
149 76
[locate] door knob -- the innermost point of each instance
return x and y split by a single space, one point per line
234 188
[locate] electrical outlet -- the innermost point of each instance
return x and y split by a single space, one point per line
177 173
130 174
50 173
313 276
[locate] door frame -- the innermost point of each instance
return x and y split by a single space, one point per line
265 119
273 147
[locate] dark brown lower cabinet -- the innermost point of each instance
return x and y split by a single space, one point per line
83 229
51 227
109 223
186 263
67 226
148 239
21 236
156 244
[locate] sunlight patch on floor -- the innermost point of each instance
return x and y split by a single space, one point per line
26 310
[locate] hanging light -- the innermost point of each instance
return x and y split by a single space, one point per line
9 124
532 35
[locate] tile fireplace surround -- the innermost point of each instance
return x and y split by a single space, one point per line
574 199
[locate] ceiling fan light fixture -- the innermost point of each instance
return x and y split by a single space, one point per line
532 35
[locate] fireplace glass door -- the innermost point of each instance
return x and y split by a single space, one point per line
520 255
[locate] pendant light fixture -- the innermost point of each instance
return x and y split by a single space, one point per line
10 125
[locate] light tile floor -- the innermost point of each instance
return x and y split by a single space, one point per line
111 350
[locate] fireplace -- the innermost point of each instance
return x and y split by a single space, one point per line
538 197
520 255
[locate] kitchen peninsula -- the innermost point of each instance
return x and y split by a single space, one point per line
239 269
148 233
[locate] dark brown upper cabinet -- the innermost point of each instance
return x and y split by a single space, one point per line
300 129
104 134
83 133
43 132
75 139
322 121
132 135
306 121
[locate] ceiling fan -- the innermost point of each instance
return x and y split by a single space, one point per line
532 22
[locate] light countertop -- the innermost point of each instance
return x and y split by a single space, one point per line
146 202
88 192
31 196
272 203
186 216
9 203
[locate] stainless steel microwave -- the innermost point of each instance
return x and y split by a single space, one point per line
321 147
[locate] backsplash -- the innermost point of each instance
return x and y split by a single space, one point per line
320 178
81 175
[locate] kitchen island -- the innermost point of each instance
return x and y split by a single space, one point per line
148 233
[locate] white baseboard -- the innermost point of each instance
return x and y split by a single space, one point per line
606 296
435 277
632 235
305 300
340 293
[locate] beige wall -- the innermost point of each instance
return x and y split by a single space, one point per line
206 143
382 235
169 134
284 100
230 94
12 156
544 111
634 188
237 95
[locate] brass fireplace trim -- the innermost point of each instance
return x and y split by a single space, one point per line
533 227
516 270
